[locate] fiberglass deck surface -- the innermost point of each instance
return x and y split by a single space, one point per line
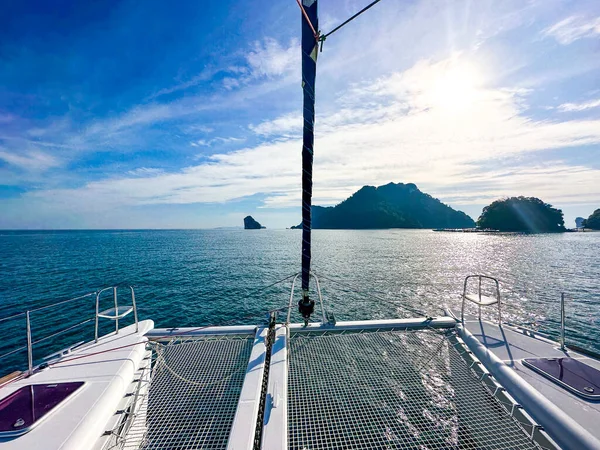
390 389
512 346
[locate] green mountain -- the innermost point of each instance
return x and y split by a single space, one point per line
593 221
522 214
394 205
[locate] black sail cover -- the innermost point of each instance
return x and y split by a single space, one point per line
309 71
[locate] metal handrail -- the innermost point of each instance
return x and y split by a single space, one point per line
61 331
28 329
14 316
52 305
464 296
312 274
116 302
62 302
18 349
28 319
547 333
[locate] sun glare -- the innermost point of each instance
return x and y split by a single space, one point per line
456 88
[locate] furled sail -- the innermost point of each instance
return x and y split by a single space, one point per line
310 25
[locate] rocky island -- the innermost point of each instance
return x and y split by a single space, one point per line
251 224
522 214
394 205
593 222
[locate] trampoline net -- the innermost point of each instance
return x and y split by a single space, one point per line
391 389
193 395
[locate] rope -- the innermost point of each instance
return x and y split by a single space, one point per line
160 359
308 20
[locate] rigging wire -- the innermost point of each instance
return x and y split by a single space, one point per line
322 38
389 302
183 333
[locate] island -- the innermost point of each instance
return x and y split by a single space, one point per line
394 205
593 222
522 214
251 224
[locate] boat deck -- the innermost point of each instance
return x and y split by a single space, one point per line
355 385
512 345
405 383
106 369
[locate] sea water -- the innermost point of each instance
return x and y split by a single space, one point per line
196 277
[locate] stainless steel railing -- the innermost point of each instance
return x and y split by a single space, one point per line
29 314
115 313
480 299
550 333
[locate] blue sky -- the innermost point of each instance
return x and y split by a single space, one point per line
187 115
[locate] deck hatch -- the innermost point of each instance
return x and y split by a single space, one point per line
569 373
391 389
194 393
27 406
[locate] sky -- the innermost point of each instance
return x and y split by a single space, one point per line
187 114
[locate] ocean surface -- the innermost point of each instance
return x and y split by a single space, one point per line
199 277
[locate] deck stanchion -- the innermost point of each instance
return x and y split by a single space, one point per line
29 346
135 317
562 321
97 311
116 310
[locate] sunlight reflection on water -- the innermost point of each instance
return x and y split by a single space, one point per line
192 277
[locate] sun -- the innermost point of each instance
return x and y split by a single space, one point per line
455 88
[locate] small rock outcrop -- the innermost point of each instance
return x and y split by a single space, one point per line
251 224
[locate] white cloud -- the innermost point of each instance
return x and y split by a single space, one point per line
269 58
210 142
145 172
201 143
569 107
289 124
198 128
231 83
31 160
414 128
380 117
573 28
205 75
570 184
228 140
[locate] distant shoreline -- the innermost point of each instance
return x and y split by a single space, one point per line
81 230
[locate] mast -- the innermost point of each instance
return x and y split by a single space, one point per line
310 42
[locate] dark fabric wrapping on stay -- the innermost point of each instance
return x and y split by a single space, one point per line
309 71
